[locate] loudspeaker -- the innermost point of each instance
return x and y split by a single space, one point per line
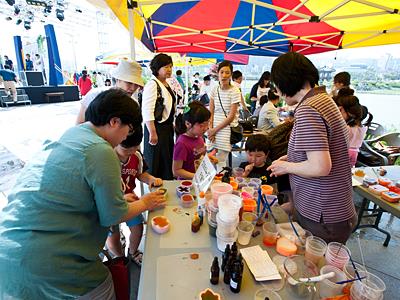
32 78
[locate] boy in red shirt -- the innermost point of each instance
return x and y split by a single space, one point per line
132 166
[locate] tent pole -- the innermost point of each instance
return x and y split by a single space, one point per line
131 5
186 80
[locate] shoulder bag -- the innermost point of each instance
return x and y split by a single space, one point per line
236 131
159 106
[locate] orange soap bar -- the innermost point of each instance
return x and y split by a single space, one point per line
285 247
209 294
384 181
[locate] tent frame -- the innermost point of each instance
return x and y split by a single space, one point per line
255 43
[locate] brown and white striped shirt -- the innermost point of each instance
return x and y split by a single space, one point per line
319 126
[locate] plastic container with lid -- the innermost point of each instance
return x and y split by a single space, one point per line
229 206
226 228
267 189
223 241
218 189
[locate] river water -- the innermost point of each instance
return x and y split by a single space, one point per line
384 108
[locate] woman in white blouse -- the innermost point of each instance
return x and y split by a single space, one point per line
268 117
224 103
159 117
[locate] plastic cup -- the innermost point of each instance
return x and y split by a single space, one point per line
238 172
245 229
337 255
218 189
328 287
229 206
296 267
270 234
315 249
370 288
301 243
350 272
254 185
263 294
249 217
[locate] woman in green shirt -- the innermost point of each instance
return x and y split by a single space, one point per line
59 211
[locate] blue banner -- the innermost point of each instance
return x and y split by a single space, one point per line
19 54
55 69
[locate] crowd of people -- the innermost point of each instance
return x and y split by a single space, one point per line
68 202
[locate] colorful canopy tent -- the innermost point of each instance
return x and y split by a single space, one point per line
260 27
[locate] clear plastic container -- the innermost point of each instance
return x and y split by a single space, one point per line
315 249
263 294
229 206
223 241
237 172
337 255
226 229
218 189
370 288
350 272
328 287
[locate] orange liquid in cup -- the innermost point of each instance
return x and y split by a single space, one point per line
269 241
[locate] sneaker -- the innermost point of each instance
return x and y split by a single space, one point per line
136 257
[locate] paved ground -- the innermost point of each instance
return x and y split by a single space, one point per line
24 129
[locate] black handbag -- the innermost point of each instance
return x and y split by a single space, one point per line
159 106
236 131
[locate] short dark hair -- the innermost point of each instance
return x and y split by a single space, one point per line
225 63
207 78
263 100
159 61
113 103
178 73
291 71
133 139
343 78
197 113
236 74
258 142
272 94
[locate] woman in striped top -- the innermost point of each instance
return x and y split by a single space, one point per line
317 162
224 103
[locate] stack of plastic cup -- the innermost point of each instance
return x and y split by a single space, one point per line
328 287
315 249
218 189
370 288
245 230
337 255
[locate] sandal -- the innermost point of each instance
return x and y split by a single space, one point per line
137 258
